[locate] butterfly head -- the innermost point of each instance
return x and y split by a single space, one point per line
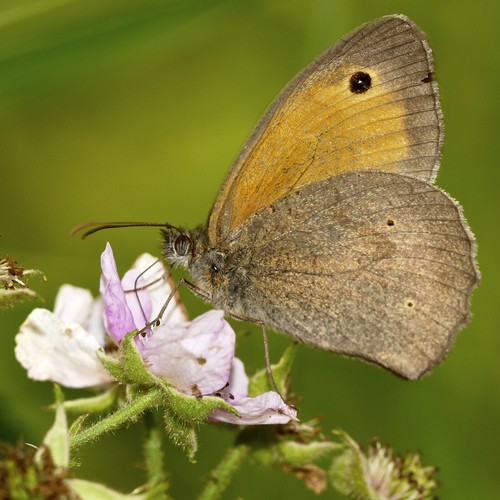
181 246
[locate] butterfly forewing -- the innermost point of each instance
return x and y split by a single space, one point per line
370 102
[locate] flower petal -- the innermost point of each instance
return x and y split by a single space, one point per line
137 298
159 286
62 352
237 387
267 408
118 317
95 324
195 357
76 305
73 304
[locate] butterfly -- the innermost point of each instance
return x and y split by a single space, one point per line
329 227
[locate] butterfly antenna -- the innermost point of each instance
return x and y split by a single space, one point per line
93 227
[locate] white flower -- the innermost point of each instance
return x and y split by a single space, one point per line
195 357
61 346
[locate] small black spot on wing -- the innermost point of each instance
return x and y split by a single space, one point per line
360 82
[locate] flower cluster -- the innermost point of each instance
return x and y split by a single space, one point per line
194 357
13 288
379 473
186 369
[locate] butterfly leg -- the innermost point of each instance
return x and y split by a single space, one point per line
197 291
266 347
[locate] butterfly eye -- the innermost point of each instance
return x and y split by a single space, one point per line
182 244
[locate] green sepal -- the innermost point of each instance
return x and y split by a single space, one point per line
181 433
128 367
195 409
99 403
114 367
57 438
183 412
260 382
131 359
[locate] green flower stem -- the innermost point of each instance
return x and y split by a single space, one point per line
223 473
144 401
158 483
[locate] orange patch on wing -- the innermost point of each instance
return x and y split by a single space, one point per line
321 130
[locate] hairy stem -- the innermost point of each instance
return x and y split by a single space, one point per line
142 402
153 455
224 472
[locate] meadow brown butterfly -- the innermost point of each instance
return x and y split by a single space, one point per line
328 227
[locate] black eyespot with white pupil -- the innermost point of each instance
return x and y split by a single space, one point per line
182 244
215 269
360 82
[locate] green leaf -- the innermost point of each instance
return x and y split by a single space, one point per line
260 382
88 489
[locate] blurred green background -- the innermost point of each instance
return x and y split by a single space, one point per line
134 110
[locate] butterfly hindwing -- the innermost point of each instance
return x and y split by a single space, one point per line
370 264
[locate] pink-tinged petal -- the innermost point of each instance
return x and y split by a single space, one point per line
195 357
159 287
62 352
73 304
237 387
137 298
267 408
118 318
95 324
